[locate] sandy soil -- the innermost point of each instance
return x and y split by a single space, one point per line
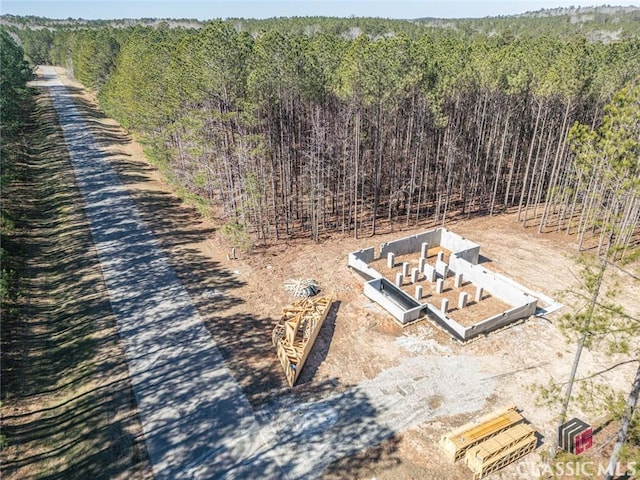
359 342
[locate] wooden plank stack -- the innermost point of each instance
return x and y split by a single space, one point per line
490 443
457 442
296 332
501 450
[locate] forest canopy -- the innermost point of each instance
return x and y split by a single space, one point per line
15 108
306 126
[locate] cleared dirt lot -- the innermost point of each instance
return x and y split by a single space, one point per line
359 343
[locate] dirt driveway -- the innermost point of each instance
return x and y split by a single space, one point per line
360 348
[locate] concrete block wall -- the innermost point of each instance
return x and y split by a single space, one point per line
367 255
410 244
464 248
448 324
467 333
459 246
360 261
400 305
493 282
500 320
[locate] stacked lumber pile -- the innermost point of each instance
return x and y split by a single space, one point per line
501 450
296 332
490 443
457 442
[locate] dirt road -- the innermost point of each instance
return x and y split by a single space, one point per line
68 409
196 420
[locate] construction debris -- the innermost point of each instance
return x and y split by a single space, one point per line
302 287
296 332
491 443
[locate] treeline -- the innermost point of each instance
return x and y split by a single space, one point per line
15 107
606 23
595 23
300 134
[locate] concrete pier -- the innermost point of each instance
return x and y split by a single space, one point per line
424 250
429 273
479 293
418 292
442 269
399 280
391 260
405 269
445 305
458 280
439 285
415 275
462 300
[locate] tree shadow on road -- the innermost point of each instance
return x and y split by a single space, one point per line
328 427
318 425
68 407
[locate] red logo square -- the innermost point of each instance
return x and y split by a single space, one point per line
584 441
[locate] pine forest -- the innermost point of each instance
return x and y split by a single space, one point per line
303 127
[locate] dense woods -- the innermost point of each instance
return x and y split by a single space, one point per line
15 106
309 126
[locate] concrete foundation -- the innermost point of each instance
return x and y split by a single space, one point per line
411 244
404 308
501 287
463 261
360 261
459 246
